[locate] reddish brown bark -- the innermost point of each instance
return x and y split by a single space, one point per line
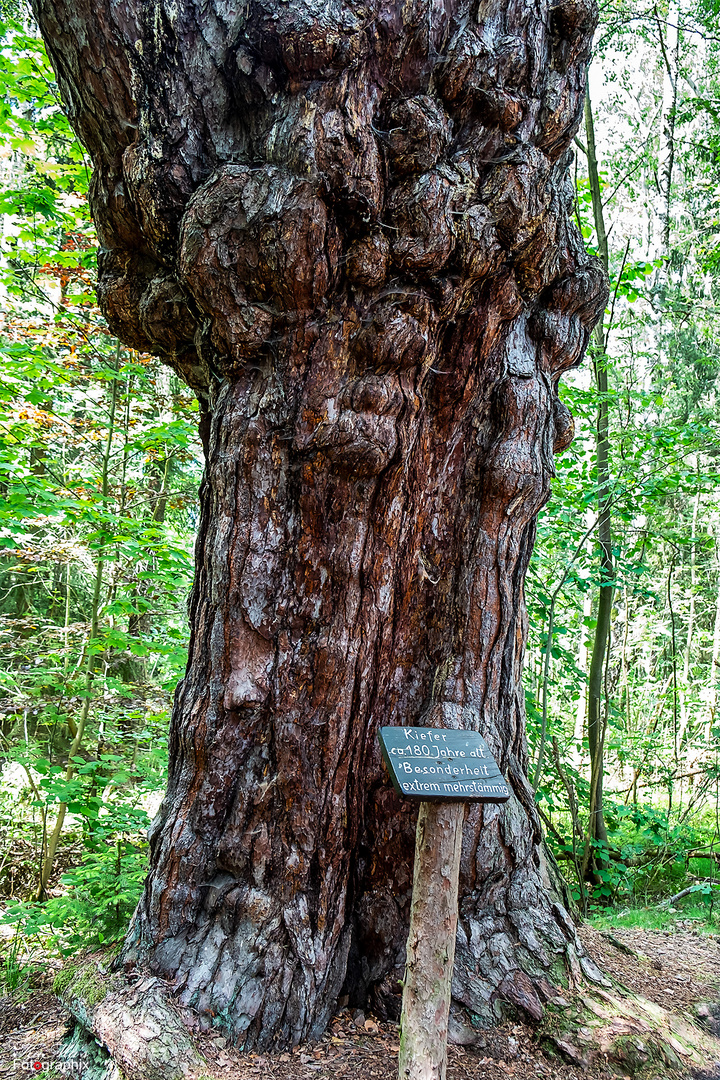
349 229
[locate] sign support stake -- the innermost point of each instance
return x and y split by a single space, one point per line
442 769
431 941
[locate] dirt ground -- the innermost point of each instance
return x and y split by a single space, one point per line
678 969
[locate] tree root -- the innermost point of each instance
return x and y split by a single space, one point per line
126 1031
620 945
627 1031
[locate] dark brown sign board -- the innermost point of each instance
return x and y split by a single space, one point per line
442 763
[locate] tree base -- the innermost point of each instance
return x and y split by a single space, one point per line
130 1030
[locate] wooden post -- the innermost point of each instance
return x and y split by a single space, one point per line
448 766
431 941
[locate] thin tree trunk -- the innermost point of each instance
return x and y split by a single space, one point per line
649 729
89 658
353 237
597 831
714 679
687 654
72 726
673 656
583 654
157 484
547 656
669 40
625 672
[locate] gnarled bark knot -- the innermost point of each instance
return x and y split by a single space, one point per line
348 227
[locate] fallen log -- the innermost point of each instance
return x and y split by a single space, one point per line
690 889
141 1035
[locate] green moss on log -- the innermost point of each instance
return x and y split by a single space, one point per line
84 982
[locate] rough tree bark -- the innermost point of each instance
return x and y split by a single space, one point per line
348 227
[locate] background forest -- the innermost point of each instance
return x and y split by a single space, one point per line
100 464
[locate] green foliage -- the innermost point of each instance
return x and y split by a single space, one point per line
15 972
661 352
99 465
97 896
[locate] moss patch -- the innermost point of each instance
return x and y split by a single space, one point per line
83 982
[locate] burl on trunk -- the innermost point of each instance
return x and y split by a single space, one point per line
348 226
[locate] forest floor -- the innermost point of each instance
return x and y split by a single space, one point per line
677 968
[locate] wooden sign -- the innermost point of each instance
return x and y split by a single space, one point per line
429 764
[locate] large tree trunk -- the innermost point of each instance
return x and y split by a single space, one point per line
349 229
